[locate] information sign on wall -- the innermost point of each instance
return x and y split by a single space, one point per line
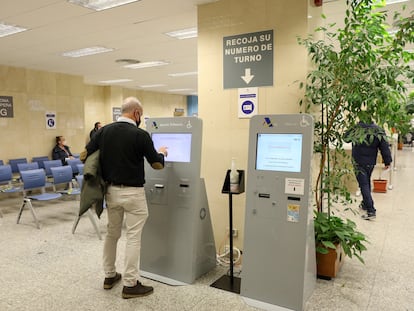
248 60
6 107
50 120
116 113
248 102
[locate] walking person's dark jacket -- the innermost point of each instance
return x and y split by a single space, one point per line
365 151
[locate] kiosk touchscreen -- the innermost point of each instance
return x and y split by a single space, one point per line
179 145
279 152
177 239
279 251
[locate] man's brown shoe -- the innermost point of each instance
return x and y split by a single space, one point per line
138 290
110 282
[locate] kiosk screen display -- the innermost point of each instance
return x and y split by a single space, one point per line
178 144
279 152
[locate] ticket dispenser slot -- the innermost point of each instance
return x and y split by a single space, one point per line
157 192
279 242
184 193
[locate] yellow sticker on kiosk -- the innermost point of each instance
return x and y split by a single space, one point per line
293 212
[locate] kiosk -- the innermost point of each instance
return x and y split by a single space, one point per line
279 246
177 240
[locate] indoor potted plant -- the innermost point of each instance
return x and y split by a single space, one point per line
358 69
335 237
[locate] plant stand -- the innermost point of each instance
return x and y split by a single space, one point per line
230 282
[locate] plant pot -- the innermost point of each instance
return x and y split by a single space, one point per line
328 265
380 185
400 146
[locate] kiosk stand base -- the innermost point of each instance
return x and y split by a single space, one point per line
228 283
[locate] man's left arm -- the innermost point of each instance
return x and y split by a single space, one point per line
385 151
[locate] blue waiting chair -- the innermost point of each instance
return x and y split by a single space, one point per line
49 164
6 181
62 175
80 168
1 162
27 166
6 178
34 180
13 163
73 163
79 179
40 160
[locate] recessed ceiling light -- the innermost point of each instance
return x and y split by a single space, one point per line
87 51
99 5
179 90
395 1
146 64
147 86
183 74
116 81
7 30
183 33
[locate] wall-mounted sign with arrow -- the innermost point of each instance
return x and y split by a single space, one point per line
247 76
248 60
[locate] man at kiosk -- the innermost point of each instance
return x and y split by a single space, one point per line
123 147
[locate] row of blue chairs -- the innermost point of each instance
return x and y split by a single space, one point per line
14 163
75 164
53 174
36 179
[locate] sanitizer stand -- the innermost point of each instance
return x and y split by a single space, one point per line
230 282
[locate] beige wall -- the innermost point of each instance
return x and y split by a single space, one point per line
35 93
225 136
99 101
77 107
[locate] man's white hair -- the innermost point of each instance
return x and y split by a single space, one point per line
130 104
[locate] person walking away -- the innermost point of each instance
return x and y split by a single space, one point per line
364 155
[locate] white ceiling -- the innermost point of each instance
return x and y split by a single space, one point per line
135 31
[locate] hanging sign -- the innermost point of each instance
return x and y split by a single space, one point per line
248 60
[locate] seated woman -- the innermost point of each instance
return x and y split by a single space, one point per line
61 151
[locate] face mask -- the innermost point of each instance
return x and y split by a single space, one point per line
139 120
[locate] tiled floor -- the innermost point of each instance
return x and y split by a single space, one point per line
51 269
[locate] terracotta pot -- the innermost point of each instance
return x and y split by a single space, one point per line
328 265
380 185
